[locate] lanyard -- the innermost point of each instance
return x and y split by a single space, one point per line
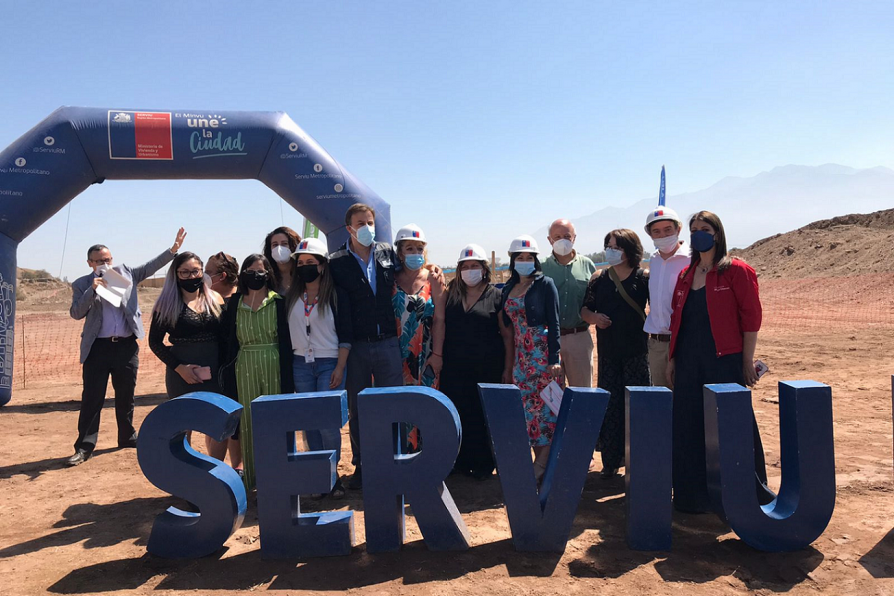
308 308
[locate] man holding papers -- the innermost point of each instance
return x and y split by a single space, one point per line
107 300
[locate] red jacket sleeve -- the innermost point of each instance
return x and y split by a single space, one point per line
748 298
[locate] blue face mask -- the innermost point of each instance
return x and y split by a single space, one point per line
366 235
414 262
702 241
614 256
524 268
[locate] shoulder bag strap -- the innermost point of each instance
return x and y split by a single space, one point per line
614 275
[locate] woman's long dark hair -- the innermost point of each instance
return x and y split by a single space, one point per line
538 269
456 291
294 239
170 302
248 262
327 287
721 256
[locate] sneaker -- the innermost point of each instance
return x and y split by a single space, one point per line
78 458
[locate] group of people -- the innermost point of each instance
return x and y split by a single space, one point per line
296 318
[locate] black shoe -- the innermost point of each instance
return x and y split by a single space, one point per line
78 458
356 481
481 475
608 473
131 443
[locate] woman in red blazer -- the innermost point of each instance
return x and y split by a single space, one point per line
714 325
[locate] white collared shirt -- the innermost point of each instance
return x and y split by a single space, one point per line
663 275
322 338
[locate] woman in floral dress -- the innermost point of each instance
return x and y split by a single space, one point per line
419 302
531 304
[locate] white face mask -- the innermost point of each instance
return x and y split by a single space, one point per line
563 247
666 244
281 254
472 277
207 279
102 269
614 256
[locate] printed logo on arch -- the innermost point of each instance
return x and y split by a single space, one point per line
140 135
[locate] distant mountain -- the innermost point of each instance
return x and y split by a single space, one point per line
773 202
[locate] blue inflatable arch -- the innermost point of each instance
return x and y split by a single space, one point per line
76 147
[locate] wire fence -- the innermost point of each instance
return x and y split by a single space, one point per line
47 344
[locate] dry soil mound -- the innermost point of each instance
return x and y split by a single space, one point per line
841 246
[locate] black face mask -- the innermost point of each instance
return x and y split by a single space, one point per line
254 280
308 273
190 285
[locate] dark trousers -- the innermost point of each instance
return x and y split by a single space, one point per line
370 362
120 359
615 375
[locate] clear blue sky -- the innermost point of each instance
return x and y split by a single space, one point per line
476 120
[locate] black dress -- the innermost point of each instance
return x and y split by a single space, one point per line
473 353
194 340
696 365
622 354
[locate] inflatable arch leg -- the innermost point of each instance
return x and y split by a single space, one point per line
8 284
806 499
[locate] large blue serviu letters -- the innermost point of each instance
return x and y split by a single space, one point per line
390 476
806 499
648 477
283 474
168 462
541 521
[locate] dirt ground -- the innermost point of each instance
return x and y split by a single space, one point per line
83 530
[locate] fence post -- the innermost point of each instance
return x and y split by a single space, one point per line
24 358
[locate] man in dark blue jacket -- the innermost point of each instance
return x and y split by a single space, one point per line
365 269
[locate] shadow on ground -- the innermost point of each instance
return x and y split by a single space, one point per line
97 526
74 405
704 549
879 561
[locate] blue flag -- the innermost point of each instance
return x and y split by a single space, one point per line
661 192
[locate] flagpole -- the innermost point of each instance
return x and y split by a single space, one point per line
661 190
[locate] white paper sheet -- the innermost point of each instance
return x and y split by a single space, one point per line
115 289
552 397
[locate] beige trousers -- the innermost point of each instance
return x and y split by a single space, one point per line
577 358
658 352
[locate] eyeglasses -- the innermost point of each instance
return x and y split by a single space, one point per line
103 261
189 273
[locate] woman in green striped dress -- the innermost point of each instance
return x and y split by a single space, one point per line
258 348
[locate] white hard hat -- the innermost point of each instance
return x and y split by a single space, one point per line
410 232
524 244
662 213
311 246
471 252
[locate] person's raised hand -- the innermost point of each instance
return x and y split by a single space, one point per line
98 281
178 241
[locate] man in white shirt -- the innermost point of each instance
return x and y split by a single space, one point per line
670 258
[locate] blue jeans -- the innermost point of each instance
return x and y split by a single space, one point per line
315 376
